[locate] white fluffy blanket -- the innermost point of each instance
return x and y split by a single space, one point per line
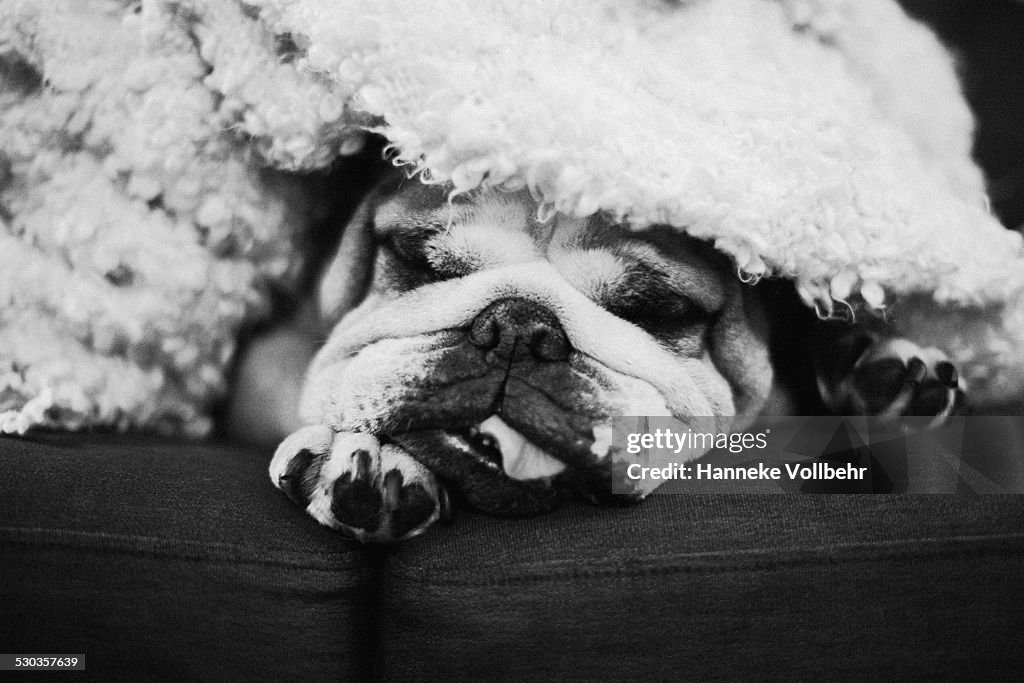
145 199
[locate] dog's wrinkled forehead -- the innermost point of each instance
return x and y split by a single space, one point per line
423 226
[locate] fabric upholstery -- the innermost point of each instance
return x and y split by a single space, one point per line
167 561
714 587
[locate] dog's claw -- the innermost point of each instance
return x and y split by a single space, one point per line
392 490
362 470
292 481
353 484
445 504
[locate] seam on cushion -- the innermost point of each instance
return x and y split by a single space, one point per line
723 562
152 546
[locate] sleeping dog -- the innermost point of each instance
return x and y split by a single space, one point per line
473 344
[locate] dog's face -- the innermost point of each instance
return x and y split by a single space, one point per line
456 314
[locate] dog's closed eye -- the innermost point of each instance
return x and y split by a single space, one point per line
646 297
409 248
419 255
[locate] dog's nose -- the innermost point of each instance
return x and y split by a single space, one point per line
517 328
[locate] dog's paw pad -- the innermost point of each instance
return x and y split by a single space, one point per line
350 482
895 378
356 500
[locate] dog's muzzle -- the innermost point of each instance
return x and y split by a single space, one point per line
501 470
510 330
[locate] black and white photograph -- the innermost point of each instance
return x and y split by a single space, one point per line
639 340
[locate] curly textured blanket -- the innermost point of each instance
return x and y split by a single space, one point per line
144 148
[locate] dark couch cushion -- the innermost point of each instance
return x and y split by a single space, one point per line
167 561
714 587
162 560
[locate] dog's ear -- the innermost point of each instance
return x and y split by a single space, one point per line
349 272
346 279
739 349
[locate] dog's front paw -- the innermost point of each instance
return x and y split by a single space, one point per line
864 374
351 482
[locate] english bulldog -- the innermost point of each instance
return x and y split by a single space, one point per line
473 345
